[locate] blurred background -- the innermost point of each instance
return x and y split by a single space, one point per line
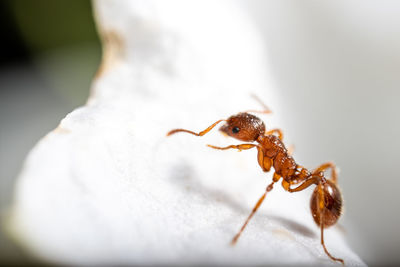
48 55
336 64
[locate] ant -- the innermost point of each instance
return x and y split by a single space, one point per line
326 200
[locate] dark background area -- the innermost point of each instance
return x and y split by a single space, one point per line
48 55
12 49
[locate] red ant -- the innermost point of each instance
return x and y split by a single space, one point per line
326 200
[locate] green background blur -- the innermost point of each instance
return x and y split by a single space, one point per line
48 55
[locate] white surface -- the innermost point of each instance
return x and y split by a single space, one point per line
107 186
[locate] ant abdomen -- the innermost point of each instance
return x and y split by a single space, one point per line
333 204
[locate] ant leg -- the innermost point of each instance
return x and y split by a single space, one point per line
325 166
313 180
277 131
264 162
266 109
258 111
239 147
197 134
259 202
276 177
321 207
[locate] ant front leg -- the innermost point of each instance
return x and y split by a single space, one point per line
264 161
238 147
209 128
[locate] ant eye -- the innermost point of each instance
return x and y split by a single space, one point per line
235 130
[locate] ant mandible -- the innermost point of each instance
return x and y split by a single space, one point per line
326 200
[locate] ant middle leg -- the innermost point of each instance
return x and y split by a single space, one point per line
259 202
209 128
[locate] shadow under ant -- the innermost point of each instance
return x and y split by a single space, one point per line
183 176
293 226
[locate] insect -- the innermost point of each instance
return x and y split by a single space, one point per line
326 200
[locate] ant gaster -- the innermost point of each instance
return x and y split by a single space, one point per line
326 200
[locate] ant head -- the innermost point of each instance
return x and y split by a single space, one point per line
244 127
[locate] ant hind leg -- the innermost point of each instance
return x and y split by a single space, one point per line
320 205
327 165
308 182
321 211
